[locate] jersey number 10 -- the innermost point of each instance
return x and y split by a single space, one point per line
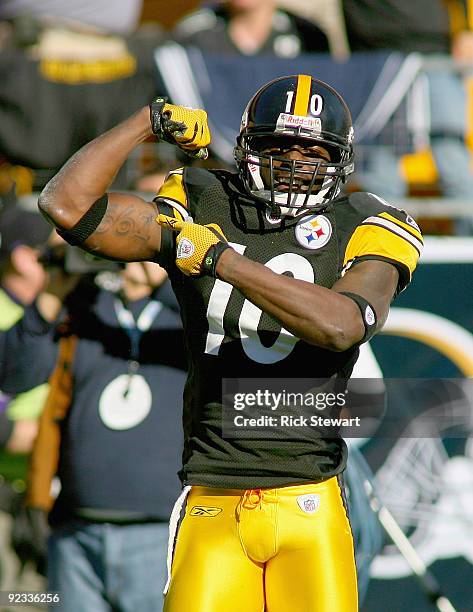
250 314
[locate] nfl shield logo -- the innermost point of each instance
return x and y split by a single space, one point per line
185 249
308 503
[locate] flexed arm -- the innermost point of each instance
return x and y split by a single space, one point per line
329 318
115 225
320 316
127 230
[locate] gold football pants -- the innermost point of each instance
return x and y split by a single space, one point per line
288 549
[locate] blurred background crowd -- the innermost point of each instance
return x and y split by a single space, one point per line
86 491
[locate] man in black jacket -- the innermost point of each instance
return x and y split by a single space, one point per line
250 27
120 435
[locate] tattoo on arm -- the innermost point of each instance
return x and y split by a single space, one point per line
127 222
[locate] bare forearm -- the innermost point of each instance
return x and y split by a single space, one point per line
318 315
89 173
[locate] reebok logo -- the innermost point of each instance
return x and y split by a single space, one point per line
205 511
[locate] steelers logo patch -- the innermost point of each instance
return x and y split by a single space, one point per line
313 232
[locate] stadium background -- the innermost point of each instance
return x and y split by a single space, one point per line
430 481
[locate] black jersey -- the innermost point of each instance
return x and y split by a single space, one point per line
228 337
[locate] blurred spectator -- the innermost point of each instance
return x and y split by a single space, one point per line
438 30
89 64
327 14
21 279
111 430
22 233
250 27
86 72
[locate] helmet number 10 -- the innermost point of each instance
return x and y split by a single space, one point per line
250 314
316 103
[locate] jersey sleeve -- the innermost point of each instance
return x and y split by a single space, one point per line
389 235
171 199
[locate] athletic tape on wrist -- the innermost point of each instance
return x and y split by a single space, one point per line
155 114
368 314
87 224
211 258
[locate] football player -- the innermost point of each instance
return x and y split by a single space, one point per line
279 276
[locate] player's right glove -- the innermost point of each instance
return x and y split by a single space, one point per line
185 127
198 247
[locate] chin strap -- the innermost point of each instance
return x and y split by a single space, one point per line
275 211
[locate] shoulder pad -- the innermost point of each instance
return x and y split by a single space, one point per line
367 204
198 180
183 187
198 176
373 229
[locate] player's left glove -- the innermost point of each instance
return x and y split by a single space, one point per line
185 127
198 247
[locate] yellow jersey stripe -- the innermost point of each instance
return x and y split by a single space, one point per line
394 228
376 240
304 85
409 228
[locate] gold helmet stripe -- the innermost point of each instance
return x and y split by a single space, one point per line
304 85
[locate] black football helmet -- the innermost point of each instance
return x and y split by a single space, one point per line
302 114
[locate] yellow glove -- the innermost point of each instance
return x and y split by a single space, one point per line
185 127
198 247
